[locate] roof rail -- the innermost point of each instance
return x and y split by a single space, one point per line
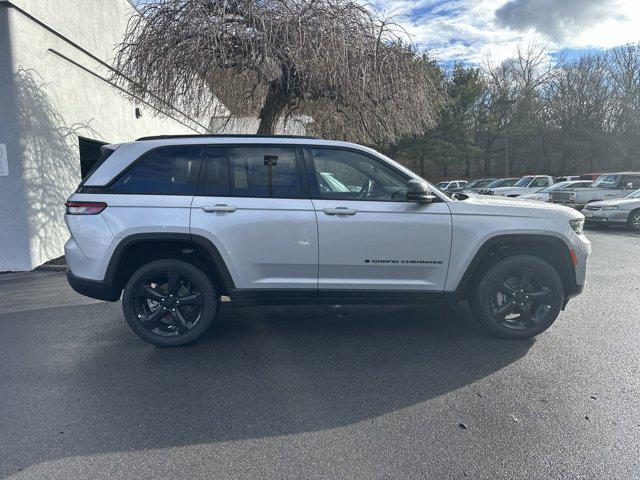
218 135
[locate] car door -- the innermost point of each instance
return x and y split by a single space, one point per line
253 205
370 237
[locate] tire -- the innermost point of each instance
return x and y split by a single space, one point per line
169 302
518 297
634 220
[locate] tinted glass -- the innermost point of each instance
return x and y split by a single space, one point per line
607 181
540 182
264 172
343 174
523 182
163 171
216 181
632 182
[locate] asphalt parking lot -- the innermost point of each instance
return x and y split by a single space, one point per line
319 392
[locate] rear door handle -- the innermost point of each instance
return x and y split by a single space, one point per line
219 208
340 211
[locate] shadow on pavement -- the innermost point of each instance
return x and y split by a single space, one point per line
78 382
615 230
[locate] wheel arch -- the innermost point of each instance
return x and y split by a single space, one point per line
135 250
550 248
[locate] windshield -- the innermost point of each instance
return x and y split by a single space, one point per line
635 194
566 185
502 182
606 181
556 186
479 183
523 182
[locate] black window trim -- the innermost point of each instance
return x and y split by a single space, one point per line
313 182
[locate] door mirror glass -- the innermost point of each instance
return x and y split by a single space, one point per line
419 192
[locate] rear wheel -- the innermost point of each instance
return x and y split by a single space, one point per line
518 297
169 302
634 220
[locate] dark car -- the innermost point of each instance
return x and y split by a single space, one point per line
475 185
500 182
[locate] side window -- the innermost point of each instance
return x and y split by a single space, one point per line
631 182
540 182
216 177
264 172
163 171
344 174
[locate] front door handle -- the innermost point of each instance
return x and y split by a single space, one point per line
219 208
340 211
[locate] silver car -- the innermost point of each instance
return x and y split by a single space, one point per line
619 211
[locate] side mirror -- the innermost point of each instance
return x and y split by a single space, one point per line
629 186
419 192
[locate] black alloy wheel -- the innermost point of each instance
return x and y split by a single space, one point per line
518 297
521 299
169 302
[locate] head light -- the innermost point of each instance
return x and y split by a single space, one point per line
610 207
577 225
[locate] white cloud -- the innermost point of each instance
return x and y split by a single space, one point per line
471 30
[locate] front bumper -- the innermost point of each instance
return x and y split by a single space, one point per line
100 289
605 217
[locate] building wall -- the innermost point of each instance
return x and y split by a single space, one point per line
52 92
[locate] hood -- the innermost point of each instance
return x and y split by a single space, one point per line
616 201
491 205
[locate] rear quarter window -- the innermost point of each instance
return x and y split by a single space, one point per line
172 170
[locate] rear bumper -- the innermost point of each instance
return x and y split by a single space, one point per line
102 290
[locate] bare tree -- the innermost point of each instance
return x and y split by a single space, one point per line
336 61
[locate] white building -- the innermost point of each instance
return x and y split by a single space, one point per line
57 107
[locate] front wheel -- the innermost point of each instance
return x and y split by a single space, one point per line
518 297
634 220
169 302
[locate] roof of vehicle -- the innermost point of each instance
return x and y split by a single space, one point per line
621 173
239 135
126 153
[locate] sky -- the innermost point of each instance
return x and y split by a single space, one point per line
480 31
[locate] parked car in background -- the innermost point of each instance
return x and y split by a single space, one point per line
606 187
620 211
567 178
500 182
452 185
590 176
527 184
544 194
478 184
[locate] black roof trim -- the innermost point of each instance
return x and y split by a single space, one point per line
236 135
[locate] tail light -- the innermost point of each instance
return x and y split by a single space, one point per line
85 208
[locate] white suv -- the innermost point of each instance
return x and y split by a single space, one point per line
178 222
